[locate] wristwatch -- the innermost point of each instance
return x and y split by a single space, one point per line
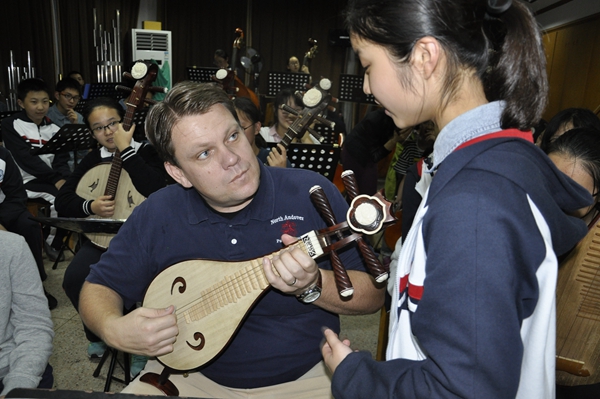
312 293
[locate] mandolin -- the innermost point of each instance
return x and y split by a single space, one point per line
212 298
109 178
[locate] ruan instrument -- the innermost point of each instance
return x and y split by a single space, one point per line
315 100
108 178
578 313
212 298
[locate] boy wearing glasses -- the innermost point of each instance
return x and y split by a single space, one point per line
43 175
67 94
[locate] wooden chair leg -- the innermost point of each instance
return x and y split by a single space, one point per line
384 322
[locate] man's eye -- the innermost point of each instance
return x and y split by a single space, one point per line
234 136
203 155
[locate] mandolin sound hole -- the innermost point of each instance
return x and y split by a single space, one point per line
198 336
182 287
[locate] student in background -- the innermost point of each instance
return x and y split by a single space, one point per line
67 95
249 117
43 175
103 116
14 215
564 121
78 77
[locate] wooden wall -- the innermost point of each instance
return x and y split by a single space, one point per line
573 55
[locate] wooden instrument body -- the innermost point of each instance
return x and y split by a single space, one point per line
211 299
91 186
578 313
203 330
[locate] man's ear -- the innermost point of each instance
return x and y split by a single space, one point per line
177 174
57 95
426 55
20 103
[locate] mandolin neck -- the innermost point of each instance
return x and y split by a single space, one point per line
245 281
117 163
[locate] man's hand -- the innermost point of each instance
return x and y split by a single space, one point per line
103 206
334 351
276 159
292 271
149 332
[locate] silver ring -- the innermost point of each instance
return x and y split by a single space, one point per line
293 282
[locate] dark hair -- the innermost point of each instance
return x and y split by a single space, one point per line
581 145
245 105
578 117
68 83
97 102
221 53
282 98
74 73
184 99
505 51
31 84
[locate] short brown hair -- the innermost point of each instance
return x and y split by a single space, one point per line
184 99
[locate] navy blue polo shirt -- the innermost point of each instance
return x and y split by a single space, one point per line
279 340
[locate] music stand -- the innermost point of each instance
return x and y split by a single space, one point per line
328 134
80 105
322 159
202 75
96 90
278 80
70 137
139 118
82 225
351 89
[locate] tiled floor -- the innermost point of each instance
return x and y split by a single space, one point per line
73 370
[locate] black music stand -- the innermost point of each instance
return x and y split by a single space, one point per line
329 135
351 89
96 90
82 225
70 137
80 105
322 159
280 80
78 225
202 75
139 118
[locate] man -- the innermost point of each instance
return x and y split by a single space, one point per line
227 206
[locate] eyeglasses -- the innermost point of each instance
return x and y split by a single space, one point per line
69 97
247 127
111 126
